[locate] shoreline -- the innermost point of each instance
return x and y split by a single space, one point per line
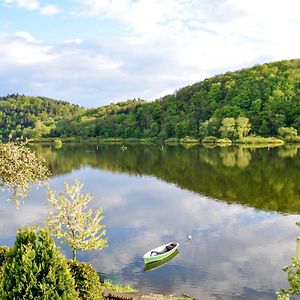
186 142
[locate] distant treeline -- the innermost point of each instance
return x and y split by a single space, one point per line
28 117
268 95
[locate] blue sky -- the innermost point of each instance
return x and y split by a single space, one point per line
94 52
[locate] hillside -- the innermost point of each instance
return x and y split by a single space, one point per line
32 116
268 95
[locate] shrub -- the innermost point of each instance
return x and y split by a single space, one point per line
189 140
223 141
57 143
87 280
287 132
260 140
118 288
209 139
35 269
295 139
171 140
3 256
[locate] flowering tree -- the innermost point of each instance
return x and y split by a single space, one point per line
20 167
73 222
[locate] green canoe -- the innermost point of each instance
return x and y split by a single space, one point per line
156 264
160 252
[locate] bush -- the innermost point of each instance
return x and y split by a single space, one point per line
188 140
171 141
223 141
118 288
35 269
57 144
295 139
287 132
3 256
259 140
209 140
87 280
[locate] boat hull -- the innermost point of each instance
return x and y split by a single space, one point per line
156 264
148 258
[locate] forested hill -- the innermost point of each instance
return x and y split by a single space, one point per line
32 116
268 95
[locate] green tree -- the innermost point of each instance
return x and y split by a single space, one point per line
73 222
228 129
35 269
87 280
243 126
287 132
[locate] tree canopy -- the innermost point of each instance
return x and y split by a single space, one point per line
268 95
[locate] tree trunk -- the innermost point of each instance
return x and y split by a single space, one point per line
74 254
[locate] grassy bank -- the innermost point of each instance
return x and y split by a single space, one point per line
251 140
95 140
188 141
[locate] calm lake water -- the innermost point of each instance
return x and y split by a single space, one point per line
239 205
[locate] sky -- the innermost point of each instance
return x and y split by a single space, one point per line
95 52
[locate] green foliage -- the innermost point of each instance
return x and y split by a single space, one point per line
268 95
3 256
209 140
188 140
260 140
243 126
228 129
295 139
223 141
35 269
57 143
118 288
73 222
29 117
87 280
20 167
293 274
287 132
172 141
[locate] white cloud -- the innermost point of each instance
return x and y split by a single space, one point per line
22 49
162 45
25 35
216 34
49 9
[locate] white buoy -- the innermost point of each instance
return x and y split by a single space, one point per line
189 237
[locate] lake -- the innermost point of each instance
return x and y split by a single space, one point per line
239 204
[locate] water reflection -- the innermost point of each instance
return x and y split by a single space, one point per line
237 251
266 178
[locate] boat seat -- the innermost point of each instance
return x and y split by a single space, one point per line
156 253
170 247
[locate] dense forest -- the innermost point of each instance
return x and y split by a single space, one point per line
268 95
32 117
